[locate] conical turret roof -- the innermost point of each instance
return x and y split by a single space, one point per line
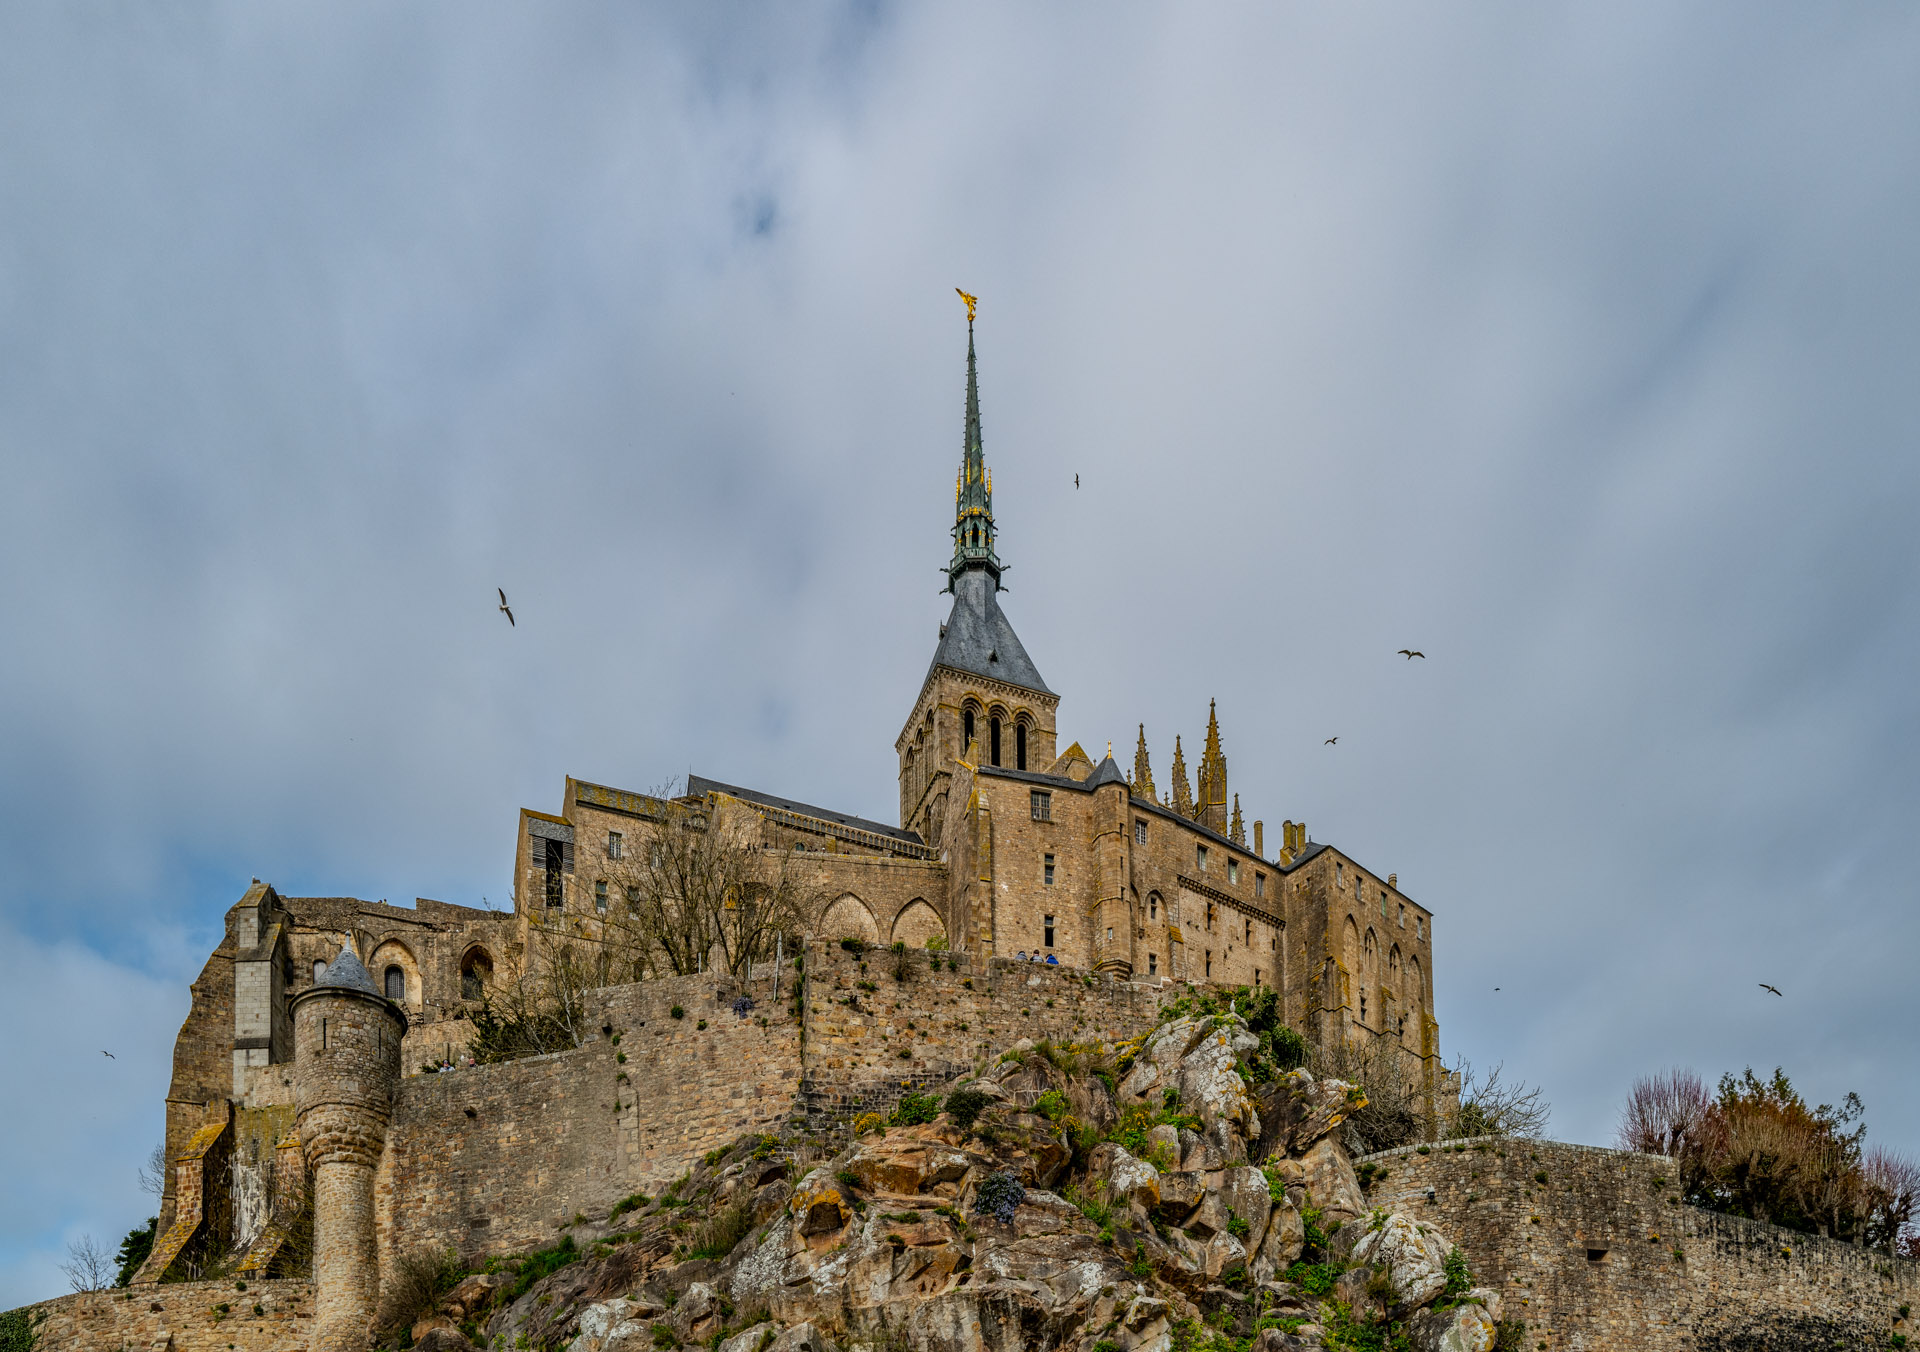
348 971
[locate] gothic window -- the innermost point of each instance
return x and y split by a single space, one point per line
1140 831
993 735
966 730
474 972
1049 928
1042 806
1020 746
396 985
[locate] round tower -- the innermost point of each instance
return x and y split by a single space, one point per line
346 1064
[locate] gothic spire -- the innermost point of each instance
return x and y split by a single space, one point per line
1182 795
1143 772
1212 805
1237 832
973 491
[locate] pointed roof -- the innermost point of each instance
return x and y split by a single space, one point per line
1106 773
1142 769
347 970
978 638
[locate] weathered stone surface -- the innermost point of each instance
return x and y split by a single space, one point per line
820 1204
748 1340
1464 1328
1327 1175
1130 1182
613 1326
474 1293
1286 1239
1351 1288
1413 1256
802 1338
1208 1219
1180 1193
1246 1195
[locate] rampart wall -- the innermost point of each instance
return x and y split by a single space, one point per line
1593 1249
198 1316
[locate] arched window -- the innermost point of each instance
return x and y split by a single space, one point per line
476 969
396 985
1020 746
993 731
1153 905
966 730
319 968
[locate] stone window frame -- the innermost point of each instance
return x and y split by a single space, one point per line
1046 929
613 845
600 895
1200 857
1259 884
1233 871
1046 870
1040 804
1139 830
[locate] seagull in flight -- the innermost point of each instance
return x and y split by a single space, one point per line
1076 481
109 1055
1330 741
503 607
1775 989
1410 654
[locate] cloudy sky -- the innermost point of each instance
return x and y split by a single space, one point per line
1575 346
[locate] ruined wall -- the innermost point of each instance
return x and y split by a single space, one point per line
1601 1254
105 1321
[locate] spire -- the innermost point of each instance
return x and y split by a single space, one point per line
1143 772
1182 795
1237 833
973 491
1211 809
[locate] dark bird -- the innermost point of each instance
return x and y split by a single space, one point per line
1076 481
110 1056
1496 990
503 607
1330 741
1410 654
1765 987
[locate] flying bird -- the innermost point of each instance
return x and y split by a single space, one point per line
109 1055
1076 481
1765 987
1330 741
1410 654
503 607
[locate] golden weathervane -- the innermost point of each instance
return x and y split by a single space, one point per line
971 302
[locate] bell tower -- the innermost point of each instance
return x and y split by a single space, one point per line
982 702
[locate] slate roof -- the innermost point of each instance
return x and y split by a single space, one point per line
1106 773
978 638
346 970
700 786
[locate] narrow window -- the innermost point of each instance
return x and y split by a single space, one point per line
633 899
396 985
1259 885
1256 976
1248 940
1042 804
1419 928
471 987
613 844
1200 857
1140 832
993 733
1233 870
1049 926
966 731
1209 917
600 896
1020 746
1153 963
556 854
1046 871
319 968
1109 933
1403 915
1153 906
1363 1006
1209 964
1339 875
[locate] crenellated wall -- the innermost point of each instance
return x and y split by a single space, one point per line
1593 1249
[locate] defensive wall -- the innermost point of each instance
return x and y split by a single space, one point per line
1594 1249
266 1316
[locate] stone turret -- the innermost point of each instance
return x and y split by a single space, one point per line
346 1065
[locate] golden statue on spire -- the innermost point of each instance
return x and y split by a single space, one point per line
971 302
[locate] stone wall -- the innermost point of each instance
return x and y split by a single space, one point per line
107 1321
1593 1249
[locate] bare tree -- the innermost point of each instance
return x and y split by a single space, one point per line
1490 1107
542 1005
153 1173
1891 1184
89 1267
1393 1114
1662 1113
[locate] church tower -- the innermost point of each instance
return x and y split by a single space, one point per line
982 701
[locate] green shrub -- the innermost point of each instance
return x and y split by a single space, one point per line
717 1238
677 1012
1052 1105
1459 1279
964 1106
915 1109
854 946
537 1265
20 1330
632 1202
134 1250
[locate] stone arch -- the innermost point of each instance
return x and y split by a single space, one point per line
917 924
849 918
393 954
476 972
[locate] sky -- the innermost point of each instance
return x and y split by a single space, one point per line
1573 346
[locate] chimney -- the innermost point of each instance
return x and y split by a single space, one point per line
1393 881
1256 840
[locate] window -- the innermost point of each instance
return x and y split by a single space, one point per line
1209 917
1046 871
966 730
1153 905
1339 875
1153 963
993 736
555 862
1020 746
1363 1006
1403 915
1049 927
1383 903
1209 964
1139 832
633 899
1233 870
1256 977
1109 933
474 973
1200 857
613 844
600 896
1419 928
1042 804
396 985
1259 885
319 968
1248 941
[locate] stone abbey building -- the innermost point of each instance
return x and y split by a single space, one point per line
1008 848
